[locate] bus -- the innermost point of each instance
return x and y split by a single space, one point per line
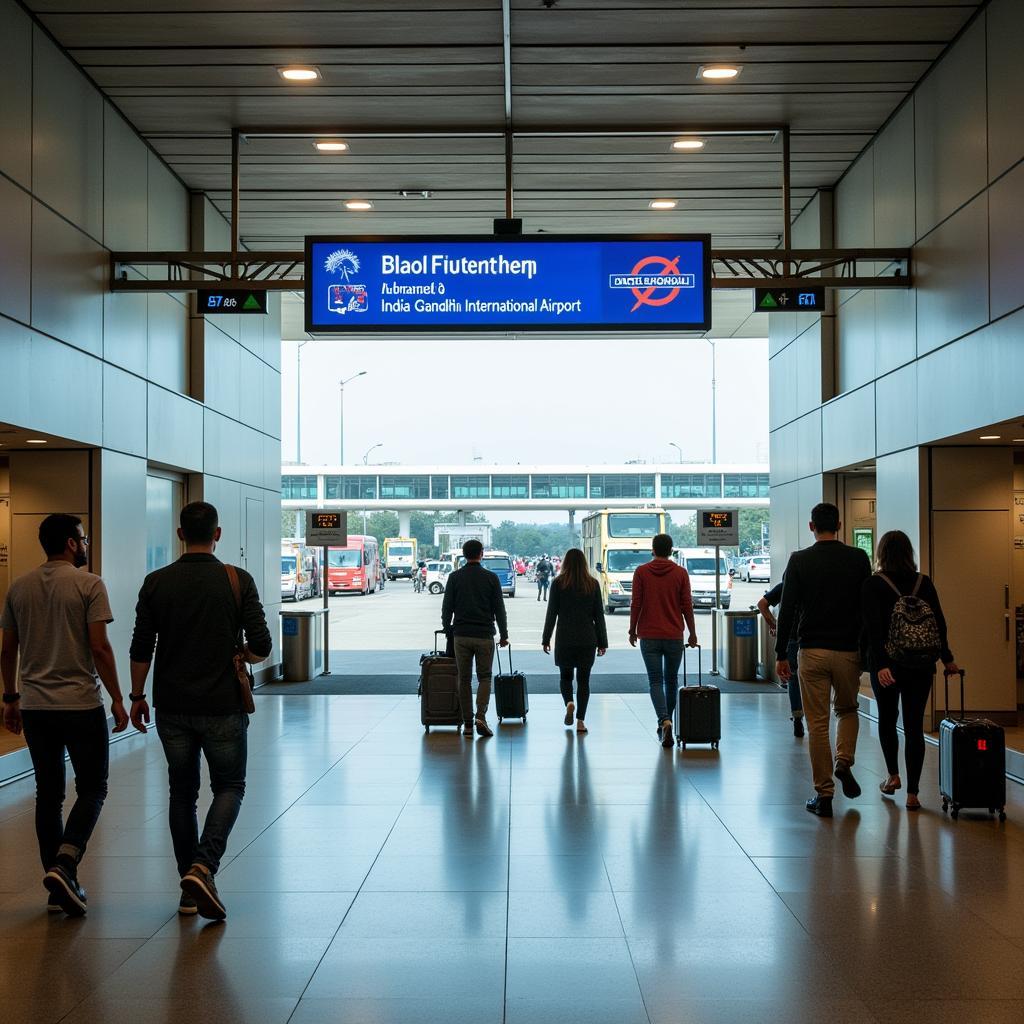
354 568
399 557
500 563
615 542
298 572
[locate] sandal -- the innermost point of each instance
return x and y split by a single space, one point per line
890 785
916 805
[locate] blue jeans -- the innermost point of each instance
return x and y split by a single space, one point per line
793 686
222 740
662 659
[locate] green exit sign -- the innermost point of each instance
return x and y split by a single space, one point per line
788 300
211 301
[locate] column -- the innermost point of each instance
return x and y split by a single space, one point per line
405 524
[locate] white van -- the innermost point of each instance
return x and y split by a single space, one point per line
700 564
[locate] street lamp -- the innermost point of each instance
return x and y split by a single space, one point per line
341 415
298 402
672 444
379 444
714 405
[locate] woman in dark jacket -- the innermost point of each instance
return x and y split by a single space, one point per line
575 604
897 577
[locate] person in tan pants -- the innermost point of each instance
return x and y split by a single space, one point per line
824 581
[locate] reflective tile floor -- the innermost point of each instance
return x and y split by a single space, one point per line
381 875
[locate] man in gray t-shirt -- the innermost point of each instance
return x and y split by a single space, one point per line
55 618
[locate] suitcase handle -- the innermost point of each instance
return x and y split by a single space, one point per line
945 678
497 654
437 633
700 668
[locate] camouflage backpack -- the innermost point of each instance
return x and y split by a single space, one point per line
914 639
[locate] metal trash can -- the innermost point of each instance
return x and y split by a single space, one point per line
737 645
302 641
766 645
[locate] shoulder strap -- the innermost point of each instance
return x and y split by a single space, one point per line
917 584
236 587
882 576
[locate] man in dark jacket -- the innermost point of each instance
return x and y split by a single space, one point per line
189 612
824 582
472 604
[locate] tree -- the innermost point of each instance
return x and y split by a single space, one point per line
750 529
288 521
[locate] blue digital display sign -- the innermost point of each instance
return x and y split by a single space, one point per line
508 283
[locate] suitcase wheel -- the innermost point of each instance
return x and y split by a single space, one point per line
945 806
714 746
955 813
1002 815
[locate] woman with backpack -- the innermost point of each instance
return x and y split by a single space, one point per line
905 634
576 607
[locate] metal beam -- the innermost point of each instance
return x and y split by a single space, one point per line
506 42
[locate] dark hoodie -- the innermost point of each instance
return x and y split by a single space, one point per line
661 601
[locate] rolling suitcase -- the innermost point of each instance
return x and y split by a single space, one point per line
698 710
972 761
439 689
511 696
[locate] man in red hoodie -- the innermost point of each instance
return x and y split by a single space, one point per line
661 603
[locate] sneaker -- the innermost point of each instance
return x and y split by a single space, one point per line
65 891
667 739
482 727
570 710
187 906
844 773
798 728
467 730
821 806
53 907
198 884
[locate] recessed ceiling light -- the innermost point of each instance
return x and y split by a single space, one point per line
331 147
358 204
990 437
662 204
299 74
1017 440
35 440
718 72
684 144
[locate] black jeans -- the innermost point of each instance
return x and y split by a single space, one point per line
222 739
83 734
580 659
912 687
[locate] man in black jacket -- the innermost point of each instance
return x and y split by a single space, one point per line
189 612
472 604
824 582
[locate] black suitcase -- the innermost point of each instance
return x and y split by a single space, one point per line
439 689
511 696
698 710
972 761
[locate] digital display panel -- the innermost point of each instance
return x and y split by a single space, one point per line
327 521
507 283
211 301
788 300
718 520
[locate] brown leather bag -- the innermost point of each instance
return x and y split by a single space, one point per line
242 669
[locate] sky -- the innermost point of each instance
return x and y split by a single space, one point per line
561 400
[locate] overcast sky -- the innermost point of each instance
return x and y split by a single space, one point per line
527 401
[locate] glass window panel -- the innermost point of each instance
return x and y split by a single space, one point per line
559 485
471 486
404 487
163 506
298 487
510 486
439 487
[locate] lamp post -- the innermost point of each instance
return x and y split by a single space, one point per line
341 415
298 402
714 405
379 444
672 444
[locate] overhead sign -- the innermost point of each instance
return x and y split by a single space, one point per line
786 300
326 529
211 301
508 283
718 529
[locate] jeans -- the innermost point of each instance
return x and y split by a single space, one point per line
830 676
468 648
542 587
793 686
222 739
580 659
912 687
84 735
662 659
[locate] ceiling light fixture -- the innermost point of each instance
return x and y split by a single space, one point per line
990 437
35 440
358 204
718 72
1017 440
685 144
662 204
331 147
299 74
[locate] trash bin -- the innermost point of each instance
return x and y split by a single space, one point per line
302 641
737 645
766 665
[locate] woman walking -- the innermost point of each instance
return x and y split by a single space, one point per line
576 607
906 635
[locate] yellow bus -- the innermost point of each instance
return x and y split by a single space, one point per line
615 542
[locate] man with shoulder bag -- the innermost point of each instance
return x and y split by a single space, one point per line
206 623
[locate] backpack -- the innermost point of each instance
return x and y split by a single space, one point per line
914 639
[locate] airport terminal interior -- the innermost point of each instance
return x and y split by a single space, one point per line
191 193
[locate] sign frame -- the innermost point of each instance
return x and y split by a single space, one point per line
710 535
326 537
341 330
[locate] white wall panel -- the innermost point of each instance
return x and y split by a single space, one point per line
848 429
855 345
67 138
125 330
125 185
855 222
807 347
1006 241
15 251
1005 84
16 378
250 390
65 391
781 331
951 267
124 410
175 430
895 328
225 495
894 181
271 384
782 387
250 333
784 519
16 93
808 444
896 410
972 478
168 208
222 375
167 342
272 331
902 493
951 138
272 465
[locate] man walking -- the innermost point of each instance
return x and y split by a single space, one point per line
660 605
824 583
472 604
56 618
544 570
194 612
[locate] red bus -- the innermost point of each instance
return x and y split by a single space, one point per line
354 569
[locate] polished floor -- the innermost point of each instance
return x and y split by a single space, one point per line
381 875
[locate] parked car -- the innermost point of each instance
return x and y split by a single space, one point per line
437 576
757 567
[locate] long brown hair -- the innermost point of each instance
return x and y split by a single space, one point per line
895 553
575 574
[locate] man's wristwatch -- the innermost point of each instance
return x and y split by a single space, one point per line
136 697
12 698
